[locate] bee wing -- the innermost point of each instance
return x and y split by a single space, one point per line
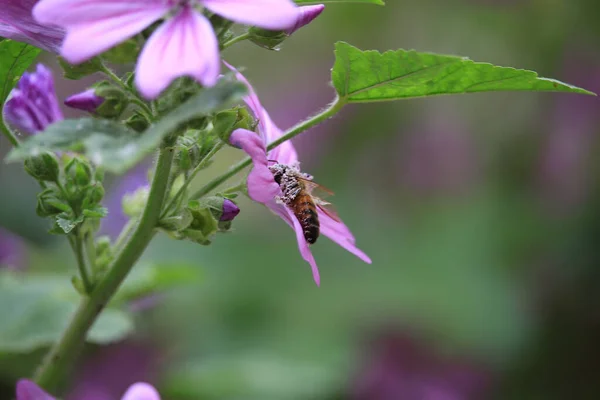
327 209
314 189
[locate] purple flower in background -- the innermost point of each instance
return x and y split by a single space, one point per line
401 367
230 210
306 15
263 188
87 100
565 170
116 219
29 390
33 105
107 373
184 45
12 250
17 23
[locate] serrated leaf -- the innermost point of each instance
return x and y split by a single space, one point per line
305 2
15 58
367 76
117 147
67 222
35 311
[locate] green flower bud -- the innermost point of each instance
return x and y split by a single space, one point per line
267 39
137 122
43 167
203 225
227 121
188 153
104 255
79 171
115 100
50 204
95 194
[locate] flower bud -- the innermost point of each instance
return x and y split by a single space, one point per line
115 101
87 100
95 194
306 15
230 210
79 171
227 121
222 209
267 39
188 153
43 167
133 203
271 39
49 204
137 122
33 105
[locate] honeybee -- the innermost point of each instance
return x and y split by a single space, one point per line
297 188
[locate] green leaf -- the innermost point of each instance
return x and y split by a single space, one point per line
368 76
68 222
34 311
117 147
305 2
148 279
15 58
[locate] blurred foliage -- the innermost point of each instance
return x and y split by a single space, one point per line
480 213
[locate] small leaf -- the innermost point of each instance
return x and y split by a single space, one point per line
96 212
80 70
367 76
34 311
67 222
15 58
117 147
305 2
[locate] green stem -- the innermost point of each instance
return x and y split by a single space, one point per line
327 113
201 165
10 135
242 37
84 272
63 353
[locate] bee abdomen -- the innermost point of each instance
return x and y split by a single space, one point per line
306 213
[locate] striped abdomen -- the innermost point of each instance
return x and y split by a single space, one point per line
305 210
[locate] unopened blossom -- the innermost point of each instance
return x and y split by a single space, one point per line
305 16
29 390
17 23
183 45
263 188
87 100
230 210
32 105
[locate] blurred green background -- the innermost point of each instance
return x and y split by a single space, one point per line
481 214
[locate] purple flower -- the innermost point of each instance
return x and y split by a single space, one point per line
12 250
263 188
17 23
306 16
184 45
29 390
33 105
230 210
87 100
399 366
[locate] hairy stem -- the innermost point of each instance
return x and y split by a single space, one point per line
82 265
327 113
63 353
242 37
12 138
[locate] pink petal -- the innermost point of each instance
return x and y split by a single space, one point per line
94 26
17 23
268 14
261 185
340 234
29 390
141 391
288 216
285 153
184 45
